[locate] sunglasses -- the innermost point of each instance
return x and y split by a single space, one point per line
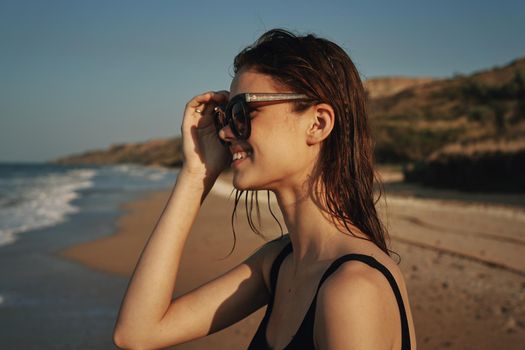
236 114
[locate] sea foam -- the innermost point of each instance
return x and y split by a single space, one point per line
44 199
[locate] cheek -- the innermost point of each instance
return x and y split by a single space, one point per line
280 151
278 142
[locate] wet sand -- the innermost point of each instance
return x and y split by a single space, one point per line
463 257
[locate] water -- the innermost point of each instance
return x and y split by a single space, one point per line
46 301
38 195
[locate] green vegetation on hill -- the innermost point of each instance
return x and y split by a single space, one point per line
414 123
502 106
398 143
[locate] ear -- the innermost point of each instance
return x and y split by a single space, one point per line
321 123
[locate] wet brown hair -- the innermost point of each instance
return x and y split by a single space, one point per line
322 70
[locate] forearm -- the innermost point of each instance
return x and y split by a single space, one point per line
151 288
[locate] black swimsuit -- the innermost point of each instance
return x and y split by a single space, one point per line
303 339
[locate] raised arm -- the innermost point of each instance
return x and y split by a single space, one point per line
148 317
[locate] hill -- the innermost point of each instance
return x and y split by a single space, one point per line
414 122
388 86
160 152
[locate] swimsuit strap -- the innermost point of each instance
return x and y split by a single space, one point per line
276 265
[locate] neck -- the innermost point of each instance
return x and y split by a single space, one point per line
314 236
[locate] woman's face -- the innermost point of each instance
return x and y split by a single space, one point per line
279 155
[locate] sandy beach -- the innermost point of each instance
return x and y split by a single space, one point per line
463 257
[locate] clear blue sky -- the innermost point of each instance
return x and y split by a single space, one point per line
80 75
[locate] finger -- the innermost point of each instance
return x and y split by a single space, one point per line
216 98
209 100
207 97
200 99
222 96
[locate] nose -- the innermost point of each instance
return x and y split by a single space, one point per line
226 134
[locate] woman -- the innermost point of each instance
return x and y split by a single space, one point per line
293 123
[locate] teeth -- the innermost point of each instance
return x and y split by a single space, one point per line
240 155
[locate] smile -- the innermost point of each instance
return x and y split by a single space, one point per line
240 155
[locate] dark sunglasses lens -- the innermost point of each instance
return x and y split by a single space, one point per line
240 119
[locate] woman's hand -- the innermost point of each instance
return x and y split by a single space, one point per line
204 155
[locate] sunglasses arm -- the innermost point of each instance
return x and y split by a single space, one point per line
273 97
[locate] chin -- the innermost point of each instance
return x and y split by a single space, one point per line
242 183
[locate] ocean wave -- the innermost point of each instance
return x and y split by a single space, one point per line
41 200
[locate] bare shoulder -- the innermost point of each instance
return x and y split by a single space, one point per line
356 308
354 279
